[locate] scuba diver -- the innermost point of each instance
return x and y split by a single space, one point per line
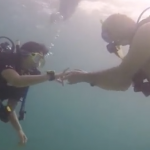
66 9
120 30
18 71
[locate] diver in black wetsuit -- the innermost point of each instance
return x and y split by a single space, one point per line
18 71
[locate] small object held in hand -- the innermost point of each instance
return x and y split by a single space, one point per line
60 77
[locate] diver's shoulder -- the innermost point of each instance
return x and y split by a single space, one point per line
142 35
145 28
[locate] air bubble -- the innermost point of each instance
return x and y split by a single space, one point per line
61 17
23 6
57 13
52 44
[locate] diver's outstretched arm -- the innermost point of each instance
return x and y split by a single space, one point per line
16 80
120 77
136 59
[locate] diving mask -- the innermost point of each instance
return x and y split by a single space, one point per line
111 46
38 59
114 46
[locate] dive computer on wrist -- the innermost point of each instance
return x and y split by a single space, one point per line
51 75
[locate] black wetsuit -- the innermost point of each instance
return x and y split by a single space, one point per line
11 61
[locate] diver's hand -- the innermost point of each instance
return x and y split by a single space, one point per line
22 137
60 77
75 76
60 82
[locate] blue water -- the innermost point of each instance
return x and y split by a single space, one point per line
74 117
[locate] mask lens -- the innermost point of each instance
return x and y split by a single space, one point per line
38 59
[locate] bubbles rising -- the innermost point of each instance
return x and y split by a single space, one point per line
55 20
